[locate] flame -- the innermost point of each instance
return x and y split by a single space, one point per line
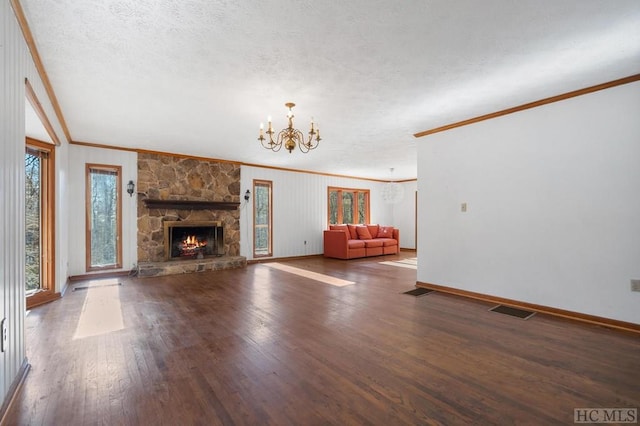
191 244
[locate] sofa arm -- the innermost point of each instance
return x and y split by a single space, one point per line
336 244
396 235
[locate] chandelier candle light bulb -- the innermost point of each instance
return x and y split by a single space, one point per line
289 136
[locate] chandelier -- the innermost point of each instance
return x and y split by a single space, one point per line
289 136
392 192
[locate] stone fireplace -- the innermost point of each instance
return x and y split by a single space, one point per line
176 192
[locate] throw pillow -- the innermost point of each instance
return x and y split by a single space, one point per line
385 232
373 230
363 233
352 231
339 228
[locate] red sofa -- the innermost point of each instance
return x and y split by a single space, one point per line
352 241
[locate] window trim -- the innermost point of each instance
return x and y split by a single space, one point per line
356 192
269 184
118 171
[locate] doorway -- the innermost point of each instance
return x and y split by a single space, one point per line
39 239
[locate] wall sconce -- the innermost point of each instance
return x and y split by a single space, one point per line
247 195
130 188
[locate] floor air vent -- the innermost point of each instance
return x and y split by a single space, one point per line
419 291
514 312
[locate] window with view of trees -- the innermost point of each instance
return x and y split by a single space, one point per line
39 273
262 212
104 247
348 205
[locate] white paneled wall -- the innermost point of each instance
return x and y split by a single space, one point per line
12 264
63 225
405 217
300 209
79 156
17 65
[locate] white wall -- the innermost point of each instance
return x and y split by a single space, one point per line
79 157
62 215
299 202
404 215
17 65
553 199
300 209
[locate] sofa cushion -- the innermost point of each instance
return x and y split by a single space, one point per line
340 228
353 232
363 233
373 243
385 232
387 242
354 244
373 230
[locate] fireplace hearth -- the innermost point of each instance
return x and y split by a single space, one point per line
193 239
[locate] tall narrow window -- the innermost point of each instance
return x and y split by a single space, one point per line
262 214
348 205
39 219
104 211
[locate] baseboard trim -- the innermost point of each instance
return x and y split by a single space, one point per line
281 259
576 316
14 389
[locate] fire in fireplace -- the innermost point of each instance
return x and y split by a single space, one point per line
193 239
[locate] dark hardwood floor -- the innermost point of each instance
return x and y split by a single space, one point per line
264 346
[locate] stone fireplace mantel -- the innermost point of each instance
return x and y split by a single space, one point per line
190 205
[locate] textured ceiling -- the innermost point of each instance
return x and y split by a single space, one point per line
197 77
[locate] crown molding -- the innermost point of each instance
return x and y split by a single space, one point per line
171 154
530 105
31 44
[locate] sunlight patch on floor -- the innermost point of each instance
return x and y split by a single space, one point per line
101 312
411 263
327 279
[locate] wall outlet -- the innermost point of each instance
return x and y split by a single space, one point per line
635 285
4 329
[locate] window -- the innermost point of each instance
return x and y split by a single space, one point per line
348 205
39 220
104 211
262 215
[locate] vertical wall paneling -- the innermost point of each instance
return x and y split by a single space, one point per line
63 211
14 57
78 157
404 215
300 209
16 66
